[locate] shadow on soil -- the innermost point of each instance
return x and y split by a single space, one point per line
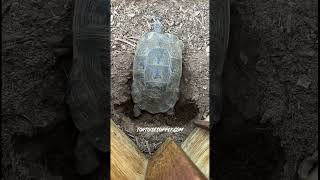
185 111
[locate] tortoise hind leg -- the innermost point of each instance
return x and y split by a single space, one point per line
171 112
136 111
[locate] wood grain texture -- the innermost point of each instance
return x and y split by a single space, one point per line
196 146
170 162
127 162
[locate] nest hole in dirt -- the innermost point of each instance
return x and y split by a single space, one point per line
184 112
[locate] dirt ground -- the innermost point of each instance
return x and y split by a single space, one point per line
270 118
189 21
271 90
33 89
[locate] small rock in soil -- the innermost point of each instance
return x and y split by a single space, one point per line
304 81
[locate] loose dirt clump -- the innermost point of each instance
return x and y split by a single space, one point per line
189 21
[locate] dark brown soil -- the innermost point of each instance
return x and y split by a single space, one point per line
270 90
36 130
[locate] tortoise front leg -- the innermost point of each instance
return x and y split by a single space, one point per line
136 111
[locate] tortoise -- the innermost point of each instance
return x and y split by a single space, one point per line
157 70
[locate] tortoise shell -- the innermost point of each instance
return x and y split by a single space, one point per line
157 70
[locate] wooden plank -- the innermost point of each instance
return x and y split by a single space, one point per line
127 162
196 146
170 163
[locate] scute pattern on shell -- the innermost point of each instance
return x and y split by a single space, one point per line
157 70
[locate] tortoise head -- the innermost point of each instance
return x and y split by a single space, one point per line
157 26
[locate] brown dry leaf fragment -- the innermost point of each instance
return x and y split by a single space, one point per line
131 15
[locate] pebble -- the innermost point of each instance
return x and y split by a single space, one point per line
111 19
304 81
131 15
244 57
196 96
171 23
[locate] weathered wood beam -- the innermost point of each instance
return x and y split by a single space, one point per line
170 162
196 146
127 162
